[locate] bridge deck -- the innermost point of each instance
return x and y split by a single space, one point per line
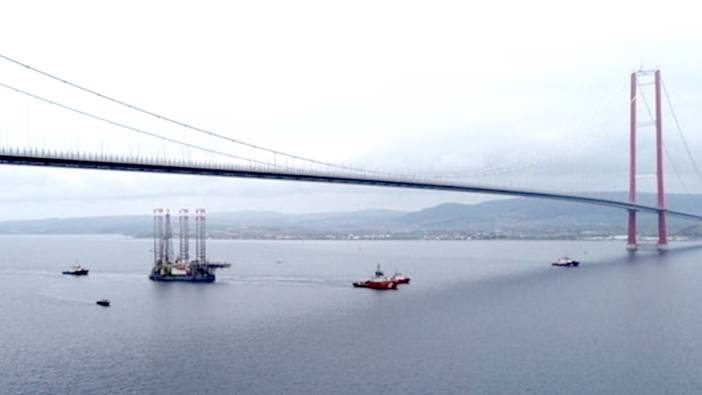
38 158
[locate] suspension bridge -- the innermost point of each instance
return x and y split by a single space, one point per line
327 172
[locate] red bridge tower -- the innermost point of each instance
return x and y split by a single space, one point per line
662 238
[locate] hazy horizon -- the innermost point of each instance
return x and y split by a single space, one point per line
484 198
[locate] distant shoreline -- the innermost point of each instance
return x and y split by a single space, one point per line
615 238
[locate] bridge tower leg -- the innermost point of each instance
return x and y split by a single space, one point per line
631 234
662 238
660 194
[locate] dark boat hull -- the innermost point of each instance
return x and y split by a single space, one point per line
570 264
104 303
82 272
200 278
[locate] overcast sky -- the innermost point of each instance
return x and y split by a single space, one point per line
535 92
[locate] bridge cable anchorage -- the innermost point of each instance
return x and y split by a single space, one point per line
185 125
682 135
665 147
131 128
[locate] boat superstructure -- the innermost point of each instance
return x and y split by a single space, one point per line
171 267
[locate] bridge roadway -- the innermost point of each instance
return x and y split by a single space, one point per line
117 163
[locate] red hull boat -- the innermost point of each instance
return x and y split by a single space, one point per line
376 284
378 281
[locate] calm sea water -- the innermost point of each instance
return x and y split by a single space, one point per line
479 317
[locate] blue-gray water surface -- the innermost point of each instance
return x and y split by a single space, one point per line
479 317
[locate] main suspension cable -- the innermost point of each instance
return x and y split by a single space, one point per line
680 131
665 147
183 124
134 129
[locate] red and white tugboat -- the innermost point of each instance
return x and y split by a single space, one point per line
564 261
378 281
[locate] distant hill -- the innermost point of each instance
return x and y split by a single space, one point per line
509 217
540 215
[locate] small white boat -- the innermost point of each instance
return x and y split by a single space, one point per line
564 261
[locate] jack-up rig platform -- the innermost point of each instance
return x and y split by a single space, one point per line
168 266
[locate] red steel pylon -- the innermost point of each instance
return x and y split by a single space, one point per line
660 194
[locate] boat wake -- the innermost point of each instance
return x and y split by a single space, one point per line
28 273
282 280
62 298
